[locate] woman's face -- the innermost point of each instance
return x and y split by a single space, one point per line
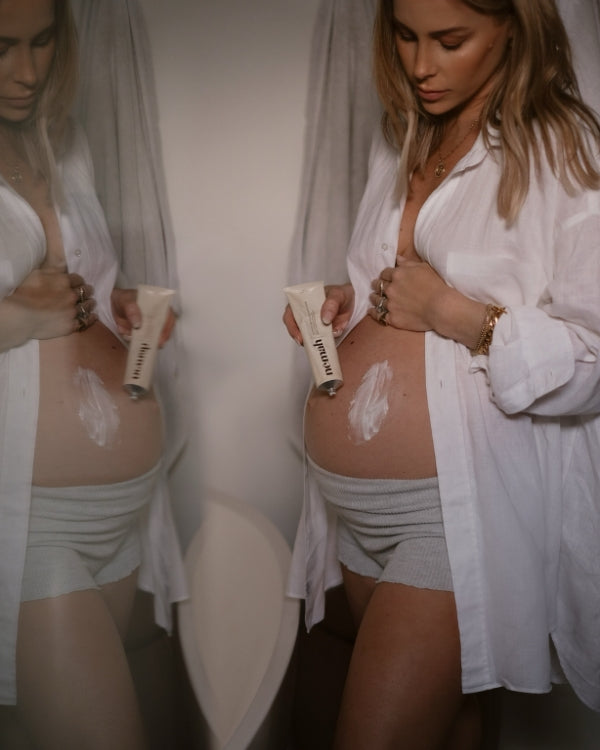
449 52
27 43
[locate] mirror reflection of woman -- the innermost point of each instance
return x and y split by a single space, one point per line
80 460
458 459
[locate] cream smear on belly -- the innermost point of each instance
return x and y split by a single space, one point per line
98 412
369 406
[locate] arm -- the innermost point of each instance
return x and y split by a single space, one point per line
44 306
418 299
544 358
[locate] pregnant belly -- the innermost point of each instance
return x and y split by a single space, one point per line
89 430
377 424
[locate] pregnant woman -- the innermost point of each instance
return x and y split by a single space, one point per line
451 481
80 461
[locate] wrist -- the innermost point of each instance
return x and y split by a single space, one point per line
486 333
458 317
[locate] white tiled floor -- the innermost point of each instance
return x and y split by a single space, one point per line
558 721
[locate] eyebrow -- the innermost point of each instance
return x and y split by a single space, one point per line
433 34
14 40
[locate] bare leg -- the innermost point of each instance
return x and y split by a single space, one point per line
119 597
73 681
359 590
403 688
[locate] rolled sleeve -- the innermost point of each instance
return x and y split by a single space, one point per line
531 356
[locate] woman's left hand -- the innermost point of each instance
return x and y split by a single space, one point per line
127 314
411 293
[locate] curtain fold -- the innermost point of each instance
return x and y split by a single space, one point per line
342 111
582 21
116 105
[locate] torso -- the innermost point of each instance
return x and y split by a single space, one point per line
89 430
382 430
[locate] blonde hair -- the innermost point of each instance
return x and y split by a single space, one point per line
535 100
43 135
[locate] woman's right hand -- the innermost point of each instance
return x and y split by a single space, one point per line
337 310
49 303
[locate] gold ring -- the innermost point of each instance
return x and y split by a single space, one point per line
81 294
382 317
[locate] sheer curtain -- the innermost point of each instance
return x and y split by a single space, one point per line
342 111
117 108
582 21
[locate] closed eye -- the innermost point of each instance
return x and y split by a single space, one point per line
450 45
402 32
45 37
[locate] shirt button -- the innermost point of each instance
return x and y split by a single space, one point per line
384 246
78 252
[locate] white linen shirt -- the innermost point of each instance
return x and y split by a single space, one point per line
516 434
89 252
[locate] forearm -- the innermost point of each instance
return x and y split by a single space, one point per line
16 324
458 317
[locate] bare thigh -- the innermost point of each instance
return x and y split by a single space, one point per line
403 688
74 686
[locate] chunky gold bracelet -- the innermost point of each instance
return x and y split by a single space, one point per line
492 314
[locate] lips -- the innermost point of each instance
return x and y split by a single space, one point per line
19 101
430 96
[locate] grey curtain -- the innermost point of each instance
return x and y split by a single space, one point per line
342 111
117 107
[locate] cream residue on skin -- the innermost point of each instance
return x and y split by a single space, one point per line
369 406
98 412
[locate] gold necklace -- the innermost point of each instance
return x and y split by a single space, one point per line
440 169
15 171
16 174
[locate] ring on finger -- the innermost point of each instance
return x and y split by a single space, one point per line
82 317
380 307
81 294
381 290
382 317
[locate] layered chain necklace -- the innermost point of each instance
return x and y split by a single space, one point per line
440 169
16 174
13 163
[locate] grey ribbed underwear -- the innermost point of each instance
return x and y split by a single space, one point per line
84 537
389 529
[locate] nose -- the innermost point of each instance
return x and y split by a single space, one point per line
25 71
424 63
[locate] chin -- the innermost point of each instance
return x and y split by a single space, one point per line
16 119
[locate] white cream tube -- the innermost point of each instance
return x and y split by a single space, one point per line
306 301
154 305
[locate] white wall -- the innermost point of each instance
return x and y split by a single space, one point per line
231 80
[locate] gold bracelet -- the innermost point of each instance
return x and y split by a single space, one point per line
492 315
